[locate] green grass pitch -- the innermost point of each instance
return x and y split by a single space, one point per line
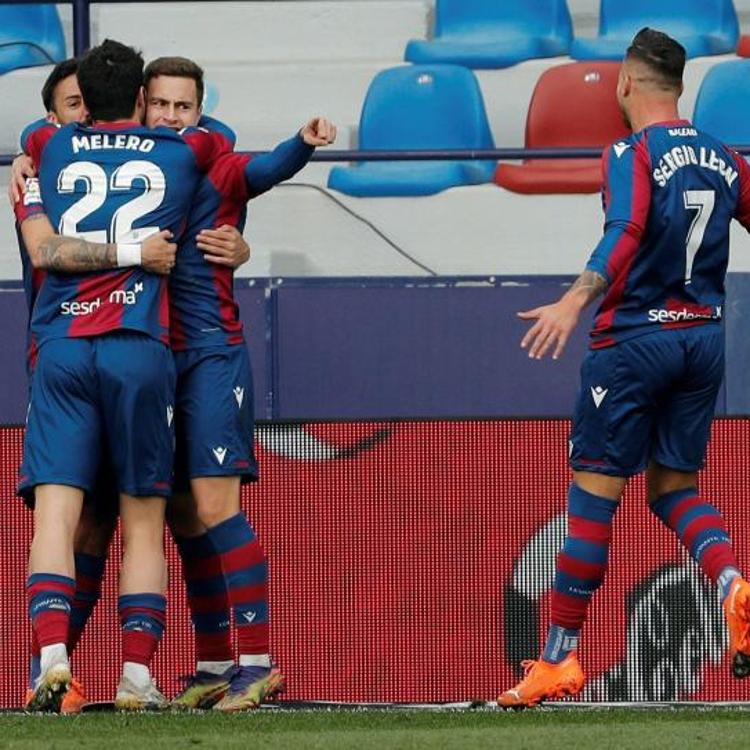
385 729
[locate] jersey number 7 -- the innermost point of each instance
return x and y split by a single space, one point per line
703 202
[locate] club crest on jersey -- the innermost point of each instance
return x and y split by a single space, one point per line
239 394
598 394
220 453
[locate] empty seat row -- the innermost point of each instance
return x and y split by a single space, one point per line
473 33
499 33
434 107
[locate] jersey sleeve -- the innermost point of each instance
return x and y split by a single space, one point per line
267 170
207 146
35 137
227 175
627 198
742 211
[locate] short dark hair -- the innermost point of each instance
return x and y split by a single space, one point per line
176 67
110 77
663 55
60 72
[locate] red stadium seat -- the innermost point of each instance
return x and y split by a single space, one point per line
743 46
573 105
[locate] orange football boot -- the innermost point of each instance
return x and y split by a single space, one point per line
74 700
737 612
542 680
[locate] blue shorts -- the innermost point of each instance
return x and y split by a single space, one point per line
214 415
88 393
104 497
650 398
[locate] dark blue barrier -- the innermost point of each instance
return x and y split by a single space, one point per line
377 348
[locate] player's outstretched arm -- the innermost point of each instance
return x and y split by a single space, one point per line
553 324
289 157
52 252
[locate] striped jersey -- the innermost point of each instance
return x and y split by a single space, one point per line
670 193
203 309
114 182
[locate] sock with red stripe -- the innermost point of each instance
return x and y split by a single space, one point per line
142 617
89 574
50 598
246 574
580 569
208 602
702 530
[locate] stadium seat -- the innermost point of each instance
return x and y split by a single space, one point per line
722 107
494 33
573 105
419 107
743 46
30 35
703 27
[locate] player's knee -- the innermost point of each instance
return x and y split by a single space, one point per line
661 480
182 517
216 499
215 510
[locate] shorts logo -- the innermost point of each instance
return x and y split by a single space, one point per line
249 616
598 393
170 414
239 394
220 454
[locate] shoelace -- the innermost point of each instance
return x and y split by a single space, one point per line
528 665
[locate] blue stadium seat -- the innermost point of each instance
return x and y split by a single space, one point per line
495 33
703 27
423 107
30 35
723 104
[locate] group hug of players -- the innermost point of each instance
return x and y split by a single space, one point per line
135 347
130 235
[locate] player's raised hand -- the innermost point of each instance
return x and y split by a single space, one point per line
224 246
318 132
158 253
552 328
21 168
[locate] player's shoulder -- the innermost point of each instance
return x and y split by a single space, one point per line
38 132
217 126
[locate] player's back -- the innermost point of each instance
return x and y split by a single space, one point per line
112 183
673 190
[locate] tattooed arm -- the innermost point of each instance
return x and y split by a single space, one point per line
554 323
59 254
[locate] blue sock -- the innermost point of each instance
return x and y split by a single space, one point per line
560 642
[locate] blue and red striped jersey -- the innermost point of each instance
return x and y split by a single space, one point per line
115 182
670 194
202 305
